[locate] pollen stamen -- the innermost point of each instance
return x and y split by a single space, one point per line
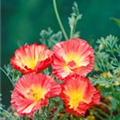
35 93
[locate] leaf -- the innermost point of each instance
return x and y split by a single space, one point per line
1 101
108 50
64 116
49 38
73 20
101 81
108 43
14 74
116 21
6 115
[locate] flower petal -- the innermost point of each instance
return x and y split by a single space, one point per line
74 56
32 91
31 58
79 95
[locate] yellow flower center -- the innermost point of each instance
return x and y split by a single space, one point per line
31 62
72 57
74 60
75 98
36 93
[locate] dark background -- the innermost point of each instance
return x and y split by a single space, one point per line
22 21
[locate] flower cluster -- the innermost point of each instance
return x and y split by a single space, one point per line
71 61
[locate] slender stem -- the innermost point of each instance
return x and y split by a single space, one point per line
7 113
115 58
105 105
97 115
7 76
58 18
64 116
101 112
71 33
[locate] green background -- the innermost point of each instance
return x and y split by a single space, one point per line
22 21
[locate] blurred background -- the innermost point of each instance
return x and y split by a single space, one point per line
22 21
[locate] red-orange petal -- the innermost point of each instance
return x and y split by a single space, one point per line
79 94
31 58
32 91
74 56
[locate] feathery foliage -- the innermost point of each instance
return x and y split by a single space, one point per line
73 20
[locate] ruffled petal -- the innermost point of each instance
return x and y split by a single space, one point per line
31 58
79 95
74 56
32 91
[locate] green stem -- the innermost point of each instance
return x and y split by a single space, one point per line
58 18
105 105
7 76
64 116
97 115
101 112
7 114
115 58
71 33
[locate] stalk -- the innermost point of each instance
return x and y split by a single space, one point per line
58 18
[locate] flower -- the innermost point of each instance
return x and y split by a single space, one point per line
79 95
32 91
31 58
74 56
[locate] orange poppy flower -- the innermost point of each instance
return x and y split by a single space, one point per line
31 92
79 95
74 56
31 58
